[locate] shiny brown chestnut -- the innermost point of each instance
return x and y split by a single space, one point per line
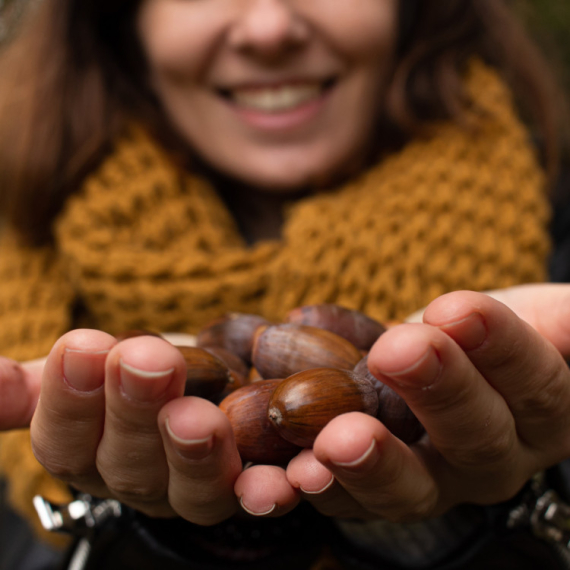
303 404
238 368
233 331
356 327
282 350
393 411
206 375
257 439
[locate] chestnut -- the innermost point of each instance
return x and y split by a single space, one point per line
234 332
356 327
282 350
257 439
393 411
303 404
206 375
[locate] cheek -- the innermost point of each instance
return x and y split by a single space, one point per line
177 38
363 30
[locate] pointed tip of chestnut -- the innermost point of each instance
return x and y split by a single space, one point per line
275 415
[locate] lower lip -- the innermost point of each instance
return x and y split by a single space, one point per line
285 120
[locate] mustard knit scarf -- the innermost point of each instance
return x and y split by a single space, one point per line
146 245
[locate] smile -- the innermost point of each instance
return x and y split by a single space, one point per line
276 99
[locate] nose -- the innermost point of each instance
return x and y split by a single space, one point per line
268 28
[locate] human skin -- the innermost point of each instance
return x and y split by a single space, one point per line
492 392
276 94
493 399
112 420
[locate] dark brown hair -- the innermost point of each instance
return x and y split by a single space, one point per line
75 77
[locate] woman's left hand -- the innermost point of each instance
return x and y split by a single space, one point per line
492 393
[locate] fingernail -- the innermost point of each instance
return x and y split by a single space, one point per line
143 385
318 491
257 513
83 370
422 374
191 448
364 458
469 333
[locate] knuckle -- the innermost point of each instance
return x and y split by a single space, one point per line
136 492
57 470
60 467
67 472
494 449
548 399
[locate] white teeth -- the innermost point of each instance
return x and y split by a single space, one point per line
275 99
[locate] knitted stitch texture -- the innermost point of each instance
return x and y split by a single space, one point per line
148 245
145 245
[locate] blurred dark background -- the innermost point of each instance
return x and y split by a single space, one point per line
549 22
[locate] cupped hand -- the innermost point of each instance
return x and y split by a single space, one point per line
111 421
493 405
492 393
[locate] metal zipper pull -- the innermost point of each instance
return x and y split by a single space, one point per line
550 519
544 511
78 517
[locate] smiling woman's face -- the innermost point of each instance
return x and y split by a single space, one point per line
276 93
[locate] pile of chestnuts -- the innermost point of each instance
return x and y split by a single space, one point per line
280 384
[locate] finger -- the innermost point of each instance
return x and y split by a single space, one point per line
468 421
142 375
203 460
524 368
545 306
19 392
264 490
319 487
68 423
377 469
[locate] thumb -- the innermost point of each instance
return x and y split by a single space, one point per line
19 392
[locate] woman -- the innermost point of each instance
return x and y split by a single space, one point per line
189 158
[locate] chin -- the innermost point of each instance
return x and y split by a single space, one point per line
290 176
